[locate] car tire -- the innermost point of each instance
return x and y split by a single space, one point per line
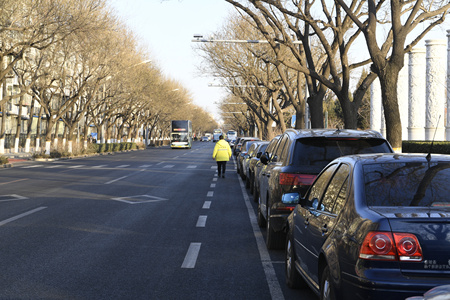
247 182
260 218
326 285
251 184
255 193
274 239
293 279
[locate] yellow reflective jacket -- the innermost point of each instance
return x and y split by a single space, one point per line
222 151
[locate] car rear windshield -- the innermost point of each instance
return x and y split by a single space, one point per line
407 184
320 151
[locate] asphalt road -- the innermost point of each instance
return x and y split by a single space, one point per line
151 224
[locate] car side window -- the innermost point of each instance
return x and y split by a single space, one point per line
279 151
320 184
335 194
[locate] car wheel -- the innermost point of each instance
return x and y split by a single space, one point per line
274 239
261 220
293 278
255 193
247 182
326 286
251 184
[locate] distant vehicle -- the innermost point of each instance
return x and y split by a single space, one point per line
181 134
205 139
209 135
372 226
216 134
231 137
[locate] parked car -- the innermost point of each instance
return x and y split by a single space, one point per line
372 226
250 164
259 166
298 157
205 139
244 146
254 153
239 142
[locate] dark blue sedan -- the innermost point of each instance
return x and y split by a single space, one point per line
372 226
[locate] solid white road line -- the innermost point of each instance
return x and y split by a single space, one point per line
191 256
122 166
201 222
271 277
22 215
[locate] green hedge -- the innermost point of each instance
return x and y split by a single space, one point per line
114 147
424 147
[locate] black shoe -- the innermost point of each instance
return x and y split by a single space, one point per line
219 175
223 176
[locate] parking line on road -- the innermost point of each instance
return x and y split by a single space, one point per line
98 167
54 166
271 277
191 256
214 179
207 205
117 179
201 222
210 194
22 215
191 167
32 166
213 185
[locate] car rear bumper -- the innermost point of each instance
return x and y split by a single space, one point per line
393 286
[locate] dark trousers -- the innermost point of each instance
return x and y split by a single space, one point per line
221 166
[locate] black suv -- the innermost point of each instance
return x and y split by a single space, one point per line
298 157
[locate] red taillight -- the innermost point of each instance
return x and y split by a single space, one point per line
388 246
296 179
408 247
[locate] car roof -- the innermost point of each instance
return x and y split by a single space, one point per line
344 133
371 158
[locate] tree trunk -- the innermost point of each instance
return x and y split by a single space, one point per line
388 82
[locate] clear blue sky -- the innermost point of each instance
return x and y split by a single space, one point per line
166 29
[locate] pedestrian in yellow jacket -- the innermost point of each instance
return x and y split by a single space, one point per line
222 154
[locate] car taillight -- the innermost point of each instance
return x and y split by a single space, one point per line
388 246
296 179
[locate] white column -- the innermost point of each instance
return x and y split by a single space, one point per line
435 90
416 95
375 106
402 95
447 127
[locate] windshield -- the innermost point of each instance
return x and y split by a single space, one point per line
407 184
179 137
320 151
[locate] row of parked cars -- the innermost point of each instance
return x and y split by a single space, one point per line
355 219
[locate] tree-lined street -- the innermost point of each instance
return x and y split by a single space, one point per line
152 224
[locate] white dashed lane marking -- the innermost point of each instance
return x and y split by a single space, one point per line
191 256
201 222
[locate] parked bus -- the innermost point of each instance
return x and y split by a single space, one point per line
181 134
216 134
231 137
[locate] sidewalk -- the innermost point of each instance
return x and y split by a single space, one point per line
15 158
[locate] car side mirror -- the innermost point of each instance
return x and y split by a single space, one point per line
264 159
290 198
